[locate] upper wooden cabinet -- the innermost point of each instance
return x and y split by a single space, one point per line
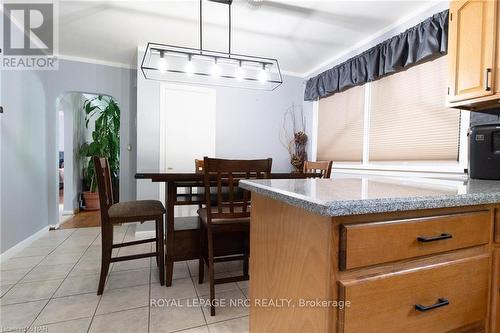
474 54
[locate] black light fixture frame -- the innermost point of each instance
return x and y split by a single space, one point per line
209 53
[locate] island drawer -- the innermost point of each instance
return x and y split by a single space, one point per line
441 298
374 243
497 225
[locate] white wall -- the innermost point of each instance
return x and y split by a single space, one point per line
29 161
248 123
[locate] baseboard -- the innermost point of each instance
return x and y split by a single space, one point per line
23 244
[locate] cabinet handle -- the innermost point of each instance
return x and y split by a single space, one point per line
440 302
487 83
435 238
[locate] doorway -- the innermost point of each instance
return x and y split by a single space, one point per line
187 130
79 112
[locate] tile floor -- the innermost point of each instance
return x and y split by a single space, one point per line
51 287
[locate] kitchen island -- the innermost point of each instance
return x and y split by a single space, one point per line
374 254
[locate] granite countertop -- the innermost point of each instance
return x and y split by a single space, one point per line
363 194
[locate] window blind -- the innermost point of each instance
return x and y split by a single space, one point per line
409 120
340 126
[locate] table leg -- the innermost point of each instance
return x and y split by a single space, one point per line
169 255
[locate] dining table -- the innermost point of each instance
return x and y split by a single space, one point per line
182 234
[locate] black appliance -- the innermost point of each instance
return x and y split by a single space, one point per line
484 151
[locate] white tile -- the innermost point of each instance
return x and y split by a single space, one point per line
34 251
123 299
204 289
5 288
233 306
68 308
181 288
92 231
135 249
75 285
155 275
181 270
243 284
75 241
33 291
133 321
179 316
59 259
13 276
19 316
95 251
48 272
18 263
88 266
59 233
122 279
73 326
238 325
193 267
200 329
131 264
71 250
47 243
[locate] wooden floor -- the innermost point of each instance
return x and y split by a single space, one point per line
83 220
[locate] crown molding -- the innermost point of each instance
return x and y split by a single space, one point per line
95 61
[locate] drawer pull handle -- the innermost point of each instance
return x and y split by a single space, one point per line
441 302
435 238
487 80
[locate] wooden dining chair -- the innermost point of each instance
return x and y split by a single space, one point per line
198 166
125 212
230 213
324 167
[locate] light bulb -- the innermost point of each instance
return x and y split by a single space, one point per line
263 74
216 69
239 72
162 63
189 66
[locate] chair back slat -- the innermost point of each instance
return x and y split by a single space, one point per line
231 192
104 185
232 201
198 166
323 167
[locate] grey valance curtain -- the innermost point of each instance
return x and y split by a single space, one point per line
425 40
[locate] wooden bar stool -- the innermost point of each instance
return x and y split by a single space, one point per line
228 213
324 167
125 212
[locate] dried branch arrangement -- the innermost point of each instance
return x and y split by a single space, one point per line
293 136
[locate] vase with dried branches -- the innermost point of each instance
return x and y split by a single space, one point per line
293 136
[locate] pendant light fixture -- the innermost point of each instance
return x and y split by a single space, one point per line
200 66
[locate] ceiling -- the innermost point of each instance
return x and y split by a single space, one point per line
300 34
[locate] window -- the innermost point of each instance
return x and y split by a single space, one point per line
398 120
340 126
408 117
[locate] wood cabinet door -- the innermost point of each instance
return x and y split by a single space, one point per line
495 309
471 49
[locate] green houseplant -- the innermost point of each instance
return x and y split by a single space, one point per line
105 143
